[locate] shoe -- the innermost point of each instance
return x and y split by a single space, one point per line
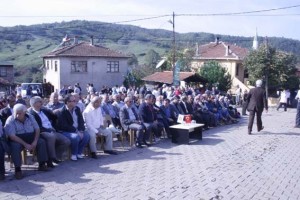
42 167
111 152
146 143
56 161
2 177
74 157
93 155
138 145
249 132
262 128
50 164
18 175
80 156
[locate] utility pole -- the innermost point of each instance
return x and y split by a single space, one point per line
267 68
174 44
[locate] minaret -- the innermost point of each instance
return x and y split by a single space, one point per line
197 49
255 42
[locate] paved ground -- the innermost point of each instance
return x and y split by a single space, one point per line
226 164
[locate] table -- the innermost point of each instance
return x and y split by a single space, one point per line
182 133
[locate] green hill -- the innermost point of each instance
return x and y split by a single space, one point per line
24 45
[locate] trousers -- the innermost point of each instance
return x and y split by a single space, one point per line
77 143
252 114
16 148
108 145
298 115
56 144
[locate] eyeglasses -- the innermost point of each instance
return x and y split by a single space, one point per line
72 101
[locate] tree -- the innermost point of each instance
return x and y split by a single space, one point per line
216 75
151 59
132 61
277 66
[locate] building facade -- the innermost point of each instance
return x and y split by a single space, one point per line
6 76
84 63
228 56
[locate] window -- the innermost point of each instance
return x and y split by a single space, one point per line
3 72
246 74
55 66
112 66
47 64
237 69
79 66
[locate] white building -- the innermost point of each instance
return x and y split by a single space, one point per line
84 63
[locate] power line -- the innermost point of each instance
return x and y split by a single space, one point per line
240 13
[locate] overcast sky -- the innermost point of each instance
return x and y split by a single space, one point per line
279 23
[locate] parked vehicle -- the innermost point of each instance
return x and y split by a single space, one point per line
31 89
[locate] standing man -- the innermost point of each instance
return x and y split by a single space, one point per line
257 102
245 102
298 110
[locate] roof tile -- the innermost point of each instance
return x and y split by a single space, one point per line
85 49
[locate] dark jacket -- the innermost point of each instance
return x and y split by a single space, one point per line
65 120
50 115
4 114
146 114
173 113
189 108
257 99
124 117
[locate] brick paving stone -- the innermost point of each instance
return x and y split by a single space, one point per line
227 164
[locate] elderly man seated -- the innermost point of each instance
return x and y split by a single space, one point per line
54 103
130 120
94 122
70 123
23 132
46 120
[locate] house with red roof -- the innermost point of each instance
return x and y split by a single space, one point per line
84 62
229 56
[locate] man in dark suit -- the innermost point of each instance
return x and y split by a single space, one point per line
46 120
7 111
149 117
130 120
70 123
257 102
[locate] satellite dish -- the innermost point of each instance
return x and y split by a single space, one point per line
160 63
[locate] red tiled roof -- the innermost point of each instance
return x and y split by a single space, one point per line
4 82
167 77
215 50
85 49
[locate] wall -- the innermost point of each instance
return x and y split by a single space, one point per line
96 73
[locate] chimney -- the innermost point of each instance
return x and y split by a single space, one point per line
92 40
227 50
75 40
217 40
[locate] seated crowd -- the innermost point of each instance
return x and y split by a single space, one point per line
49 129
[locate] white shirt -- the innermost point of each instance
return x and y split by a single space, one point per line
93 118
284 96
298 95
45 121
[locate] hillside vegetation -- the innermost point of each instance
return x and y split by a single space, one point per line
24 45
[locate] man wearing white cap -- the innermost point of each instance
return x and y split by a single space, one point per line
257 102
